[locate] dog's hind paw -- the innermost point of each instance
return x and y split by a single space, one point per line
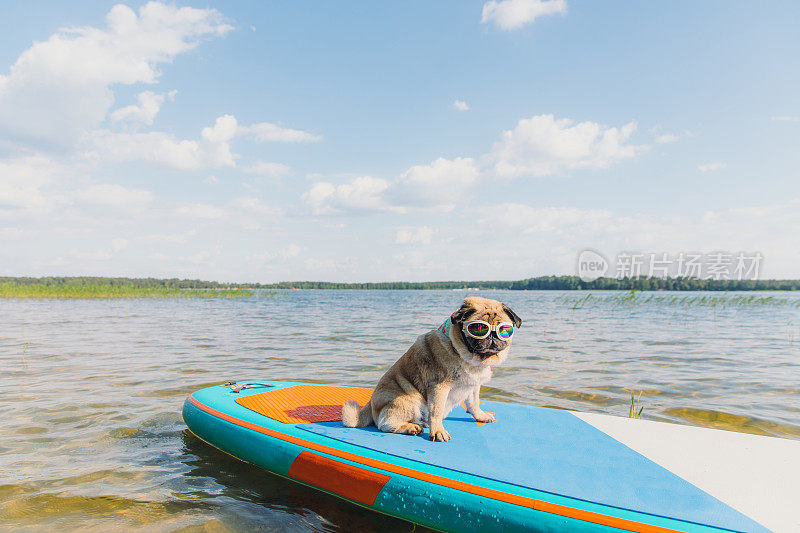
485 418
410 428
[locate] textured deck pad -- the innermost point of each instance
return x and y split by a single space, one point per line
552 451
304 403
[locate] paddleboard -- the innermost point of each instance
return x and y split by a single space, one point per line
535 469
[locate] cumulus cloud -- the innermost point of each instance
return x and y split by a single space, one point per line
111 195
363 194
59 89
539 146
212 150
461 105
267 132
436 185
531 219
439 183
202 211
99 255
785 118
708 167
283 254
420 235
145 111
666 138
118 244
22 180
268 170
255 205
543 145
547 239
513 14
177 238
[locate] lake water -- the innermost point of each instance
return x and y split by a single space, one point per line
91 390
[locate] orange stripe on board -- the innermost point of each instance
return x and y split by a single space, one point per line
343 479
539 505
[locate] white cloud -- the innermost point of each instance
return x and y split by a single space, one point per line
212 150
59 89
200 258
284 254
513 14
22 180
440 183
149 103
267 132
11 233
362 194
538 146
547 239
255 205
269 170
211 180
785 118
163 149
158 256
202 211
547 219
666 138
708 167
436 185
112 195
461 105
223 130
543 145
118 244
179 238
421 235
99 255
290 251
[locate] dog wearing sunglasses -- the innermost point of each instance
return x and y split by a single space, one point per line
443 368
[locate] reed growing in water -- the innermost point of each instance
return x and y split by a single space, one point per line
713 300
103 290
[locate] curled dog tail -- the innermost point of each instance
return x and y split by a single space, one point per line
354 416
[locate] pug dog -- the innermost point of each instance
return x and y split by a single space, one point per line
443 368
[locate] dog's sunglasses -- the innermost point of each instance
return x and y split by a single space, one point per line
480 329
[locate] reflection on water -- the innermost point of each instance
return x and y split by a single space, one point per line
92 391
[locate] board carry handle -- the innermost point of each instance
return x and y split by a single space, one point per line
238 387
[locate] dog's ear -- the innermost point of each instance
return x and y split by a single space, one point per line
513 316
462 313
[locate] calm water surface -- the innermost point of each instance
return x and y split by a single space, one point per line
91 391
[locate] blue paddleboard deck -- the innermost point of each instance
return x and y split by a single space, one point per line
534 469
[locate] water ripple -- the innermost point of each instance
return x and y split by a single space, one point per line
92 391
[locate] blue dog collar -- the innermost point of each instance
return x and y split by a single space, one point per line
445 327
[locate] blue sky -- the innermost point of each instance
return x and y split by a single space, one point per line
368 141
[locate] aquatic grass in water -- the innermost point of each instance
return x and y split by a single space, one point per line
68 290
636 410
715 301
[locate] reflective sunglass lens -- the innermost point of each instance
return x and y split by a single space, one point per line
477 329
504 331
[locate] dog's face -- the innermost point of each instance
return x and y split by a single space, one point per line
492 349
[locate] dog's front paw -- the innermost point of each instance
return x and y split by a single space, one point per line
439 435
485 418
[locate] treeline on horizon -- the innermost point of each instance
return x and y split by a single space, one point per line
537 283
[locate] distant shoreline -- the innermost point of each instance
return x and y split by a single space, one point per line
102 287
